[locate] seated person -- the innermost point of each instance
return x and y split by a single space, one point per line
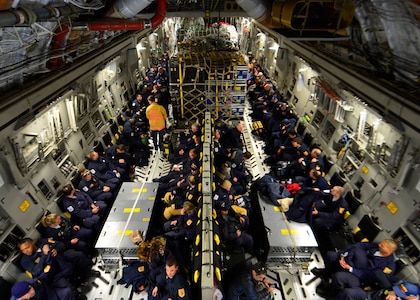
173 284
44 263
315 182
329 212
121 159
192 193
96 188
83 208
184 226
181 232
38 290
315 160
223 199
233 226
359 265
102 168
319 209
73 236
249 282
298 166
174 201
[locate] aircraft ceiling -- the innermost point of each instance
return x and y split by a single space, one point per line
42 36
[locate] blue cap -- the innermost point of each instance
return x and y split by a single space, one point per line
406 289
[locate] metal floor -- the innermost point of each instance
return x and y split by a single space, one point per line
295 282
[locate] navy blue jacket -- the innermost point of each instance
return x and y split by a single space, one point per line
366 271
330 213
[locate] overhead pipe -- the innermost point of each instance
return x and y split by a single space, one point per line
25 16
257 9
154 22
126 9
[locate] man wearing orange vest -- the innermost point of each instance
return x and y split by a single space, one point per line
156 114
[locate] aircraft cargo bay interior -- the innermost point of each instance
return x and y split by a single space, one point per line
209 149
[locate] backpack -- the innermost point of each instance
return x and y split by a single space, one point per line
135 274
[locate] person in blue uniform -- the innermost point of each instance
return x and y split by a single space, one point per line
180 233
285 151
120 158
172 285
315 182
132 137
248 282
359 265
329 212
220 153
315 160
298 167
83 208
138 106
233 139
233 223
102 168
192 192
94 187
224 200
72 235
45 263
37 290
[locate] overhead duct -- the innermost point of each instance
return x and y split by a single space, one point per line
25 16
154 22
126 9
256 9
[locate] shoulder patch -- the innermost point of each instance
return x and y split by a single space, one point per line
216 197
306 153
341 210
181 292
387 270
47 268
70 208
92 171
189 222
140 269
85 188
